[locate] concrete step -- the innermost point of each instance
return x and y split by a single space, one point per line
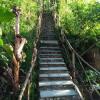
53 68
62 98
50 33
55 63
49 52
48 45
57 93
51 59
50 48
48 38
52 71
54 75
49 42
51 83
54 78
57 87
52 65
50 56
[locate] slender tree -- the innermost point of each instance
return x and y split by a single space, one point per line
18 47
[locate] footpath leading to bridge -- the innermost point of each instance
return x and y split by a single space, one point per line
55 82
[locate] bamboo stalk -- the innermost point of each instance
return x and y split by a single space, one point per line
73 65
28 74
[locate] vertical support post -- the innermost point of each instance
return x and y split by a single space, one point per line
73 65
17 24
62 34
49 4
28 90
42 4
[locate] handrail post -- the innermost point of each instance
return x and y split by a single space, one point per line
28 90
62 35
25 91
73 65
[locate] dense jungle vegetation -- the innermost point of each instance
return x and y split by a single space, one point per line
28 22
79 18
81 21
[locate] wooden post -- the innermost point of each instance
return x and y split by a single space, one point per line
42 4
28 90
62 35
49 4
73 65
17 24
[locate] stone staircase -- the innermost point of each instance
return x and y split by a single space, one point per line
55 82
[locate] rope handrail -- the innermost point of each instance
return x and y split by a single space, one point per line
72 49
76 87
92 46
29 74
34 57
88 78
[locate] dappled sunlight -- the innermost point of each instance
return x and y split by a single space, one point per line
49 49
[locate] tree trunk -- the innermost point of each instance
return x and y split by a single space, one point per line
18 47
16 67
17 56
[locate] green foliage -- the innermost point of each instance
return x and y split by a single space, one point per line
28 21
28 24
29 16
6 53
3 60
81 19
92 76
29 11
0 32
1 42
9 49
49 5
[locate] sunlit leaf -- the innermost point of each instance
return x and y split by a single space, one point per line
4 59
9 49
1 42
0 32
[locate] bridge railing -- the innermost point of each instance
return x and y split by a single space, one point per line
26 85
74 54
63 38
71 53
